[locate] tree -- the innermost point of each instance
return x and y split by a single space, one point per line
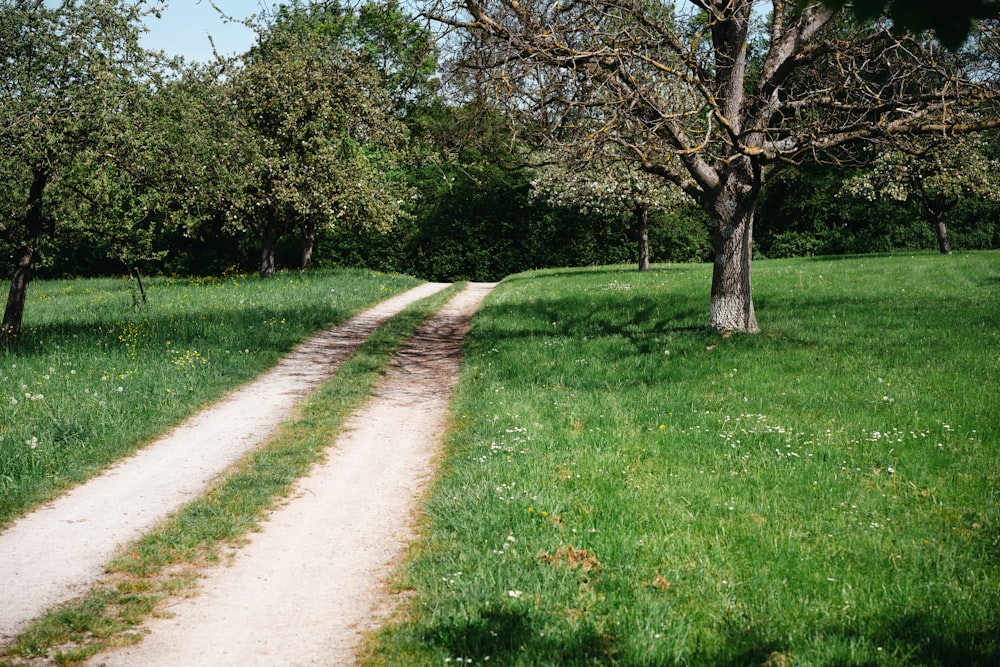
67 72
608 187
932 175
712 96
309 141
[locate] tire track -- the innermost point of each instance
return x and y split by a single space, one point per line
58 551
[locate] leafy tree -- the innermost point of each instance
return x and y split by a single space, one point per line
68 73
610 188
307 141
933 176
712 96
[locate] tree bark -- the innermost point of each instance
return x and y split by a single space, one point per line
14 312
34 224
941 230
936 220
268 241
642 213
935 208
308 243
731 307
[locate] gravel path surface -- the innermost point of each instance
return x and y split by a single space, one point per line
313 580
58 551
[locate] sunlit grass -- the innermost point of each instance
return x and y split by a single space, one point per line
92 376
623 487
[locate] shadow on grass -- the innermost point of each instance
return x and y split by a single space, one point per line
180 330
599 315
915 638
618 272
507 636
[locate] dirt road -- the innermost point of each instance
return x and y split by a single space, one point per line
57 552
305 587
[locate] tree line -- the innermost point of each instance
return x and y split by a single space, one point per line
533 134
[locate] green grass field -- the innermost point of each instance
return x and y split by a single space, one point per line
92 377
622 487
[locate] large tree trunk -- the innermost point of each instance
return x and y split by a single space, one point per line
34 225
731 308
642 213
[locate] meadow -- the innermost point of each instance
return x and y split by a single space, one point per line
623 487
619 486
96 372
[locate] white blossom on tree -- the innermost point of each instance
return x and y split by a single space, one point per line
608 188
933 175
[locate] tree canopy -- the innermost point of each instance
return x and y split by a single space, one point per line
713 96
932 174
69 75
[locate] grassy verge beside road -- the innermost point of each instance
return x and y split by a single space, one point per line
622 487
93 376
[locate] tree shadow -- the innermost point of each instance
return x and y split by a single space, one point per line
917 638
507 635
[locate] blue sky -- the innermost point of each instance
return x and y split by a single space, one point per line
186 24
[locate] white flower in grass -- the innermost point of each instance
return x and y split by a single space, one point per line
32 443
515 594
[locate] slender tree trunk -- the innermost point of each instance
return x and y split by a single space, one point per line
936 219
642 213
934 207
308 243
268 241
731 308
13 314
34 225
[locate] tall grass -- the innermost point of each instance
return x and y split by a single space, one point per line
623 487
93 376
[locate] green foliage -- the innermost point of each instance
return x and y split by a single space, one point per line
381 34
70 75
806 211
624 487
